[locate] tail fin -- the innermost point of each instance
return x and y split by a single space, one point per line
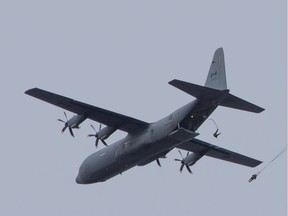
215 91
216 78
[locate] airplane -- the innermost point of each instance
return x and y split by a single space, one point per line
147 142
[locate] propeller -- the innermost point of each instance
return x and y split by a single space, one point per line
183 162
66 125
158 160
96 135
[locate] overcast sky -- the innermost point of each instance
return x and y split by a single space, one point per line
120 55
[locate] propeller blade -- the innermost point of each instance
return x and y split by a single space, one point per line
103 142
64 128
188 168
96 142
181 154
181 167
65 115
71 131
158 162
93 127
61 120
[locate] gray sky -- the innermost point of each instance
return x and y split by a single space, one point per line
119 55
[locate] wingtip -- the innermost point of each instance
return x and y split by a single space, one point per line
259 110
256 163
29 91
262 109
171 81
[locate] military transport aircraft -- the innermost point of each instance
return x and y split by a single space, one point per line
147 142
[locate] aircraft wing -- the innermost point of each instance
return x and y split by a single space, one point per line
100 115
199 146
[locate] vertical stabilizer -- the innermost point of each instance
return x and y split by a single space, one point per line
216 78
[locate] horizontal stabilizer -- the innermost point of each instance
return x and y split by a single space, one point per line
196 91
232 101
215 97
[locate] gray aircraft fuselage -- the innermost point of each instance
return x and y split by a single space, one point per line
140 148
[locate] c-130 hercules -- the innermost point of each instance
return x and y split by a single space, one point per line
147 142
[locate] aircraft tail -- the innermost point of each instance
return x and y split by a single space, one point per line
215 91
216 78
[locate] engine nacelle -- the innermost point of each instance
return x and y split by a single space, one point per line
76 120
192 158
105 132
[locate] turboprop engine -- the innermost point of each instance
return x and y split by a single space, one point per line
189 160
102 134
73 122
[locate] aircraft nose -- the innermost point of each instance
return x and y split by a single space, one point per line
79 180
83 176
